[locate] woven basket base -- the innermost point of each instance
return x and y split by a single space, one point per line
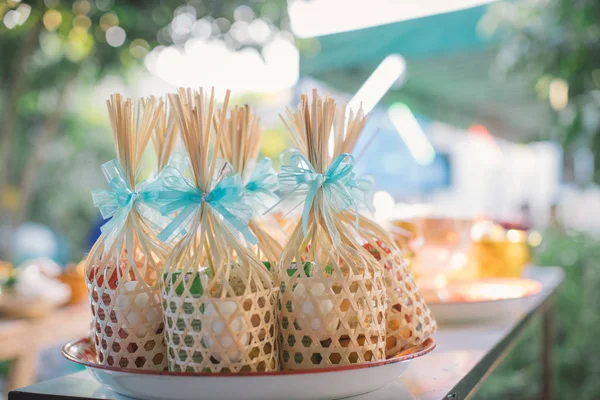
233 334
327 321
409 320
128 338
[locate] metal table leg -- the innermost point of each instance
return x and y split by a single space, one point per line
547 339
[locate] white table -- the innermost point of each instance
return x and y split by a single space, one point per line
464 357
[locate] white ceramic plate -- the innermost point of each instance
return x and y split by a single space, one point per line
481 300
331 383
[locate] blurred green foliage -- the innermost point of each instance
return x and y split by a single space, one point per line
555 43
54 53
577 328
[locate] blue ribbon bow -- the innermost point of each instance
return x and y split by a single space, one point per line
180 194
119 201
258 190
341 189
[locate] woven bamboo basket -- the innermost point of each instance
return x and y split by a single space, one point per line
128 329
218 298
408 319
221 323
330 313
127 324
333 300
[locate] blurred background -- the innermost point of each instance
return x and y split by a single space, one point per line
479 109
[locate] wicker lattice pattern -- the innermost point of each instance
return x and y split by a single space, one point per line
333 300
123 265
327 320
222 321
408 319
332 309
219 302
219 334
127 324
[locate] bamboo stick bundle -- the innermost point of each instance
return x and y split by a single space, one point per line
239 146
123 265
332 303
219 302
164 138
409 320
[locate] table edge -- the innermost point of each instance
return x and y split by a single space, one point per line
498 353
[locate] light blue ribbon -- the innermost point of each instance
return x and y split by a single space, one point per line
180 194
119 200
258 190
362 190
341 189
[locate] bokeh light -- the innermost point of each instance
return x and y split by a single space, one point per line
239 31
17 17
243 13
108 20
139 48
182 24
10 19
115 36
559 94
52 20
202 29
82 7
260 31
82 21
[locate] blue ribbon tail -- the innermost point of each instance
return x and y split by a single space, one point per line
177 225
237 223
308 204
112 228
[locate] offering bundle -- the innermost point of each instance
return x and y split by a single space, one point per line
218 298
333 300
226 297
239 146
408 319
123 265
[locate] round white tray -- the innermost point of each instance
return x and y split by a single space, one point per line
329 383
482 300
